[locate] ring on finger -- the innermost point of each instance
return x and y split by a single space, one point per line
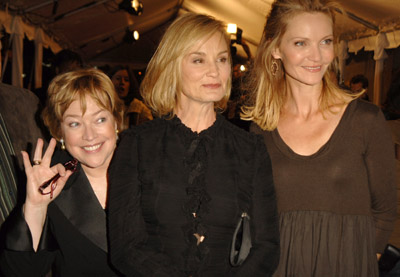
37 162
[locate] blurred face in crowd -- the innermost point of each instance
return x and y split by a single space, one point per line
356 87
121 82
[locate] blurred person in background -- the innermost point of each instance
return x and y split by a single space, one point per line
127 88
359 83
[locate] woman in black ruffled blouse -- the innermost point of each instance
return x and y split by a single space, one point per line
180 184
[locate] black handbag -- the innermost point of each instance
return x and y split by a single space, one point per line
389 258
241 242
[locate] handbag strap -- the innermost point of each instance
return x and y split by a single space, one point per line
238 257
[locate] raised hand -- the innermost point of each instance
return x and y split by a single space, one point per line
41 172
35 207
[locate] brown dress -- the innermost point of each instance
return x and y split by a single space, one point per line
337 206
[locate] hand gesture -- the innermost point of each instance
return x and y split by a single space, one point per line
40 172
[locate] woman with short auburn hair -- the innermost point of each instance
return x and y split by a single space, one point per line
61 226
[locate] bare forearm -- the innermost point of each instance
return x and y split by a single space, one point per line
35 217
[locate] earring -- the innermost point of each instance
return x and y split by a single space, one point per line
117 132
62 144
274 67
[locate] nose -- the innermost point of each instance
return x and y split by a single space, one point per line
315 53
213 69
89 133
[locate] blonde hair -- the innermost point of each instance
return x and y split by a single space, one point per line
76 85
268 89
162 85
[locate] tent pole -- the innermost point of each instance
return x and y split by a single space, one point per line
360 20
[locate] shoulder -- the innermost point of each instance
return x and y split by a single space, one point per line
365 107
363 111
229 127
241 138
22 96
147 128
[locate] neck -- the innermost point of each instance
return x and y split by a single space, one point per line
96 173
302 100
196 118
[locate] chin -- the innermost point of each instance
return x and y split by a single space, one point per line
93 164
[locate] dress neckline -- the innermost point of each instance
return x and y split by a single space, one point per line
336 134
209 132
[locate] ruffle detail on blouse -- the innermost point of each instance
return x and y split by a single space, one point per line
196 207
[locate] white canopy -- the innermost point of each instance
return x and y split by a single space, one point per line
95 29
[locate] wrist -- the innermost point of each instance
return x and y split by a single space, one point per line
36 210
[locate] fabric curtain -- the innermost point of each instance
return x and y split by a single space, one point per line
39 38
379 57
17 51
342 56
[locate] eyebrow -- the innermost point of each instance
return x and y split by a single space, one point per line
203 54
306 38
77 116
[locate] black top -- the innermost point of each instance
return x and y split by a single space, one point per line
168 183
73 240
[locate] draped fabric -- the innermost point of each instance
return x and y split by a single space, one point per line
8 184
342 56
17 50
379 57
39 38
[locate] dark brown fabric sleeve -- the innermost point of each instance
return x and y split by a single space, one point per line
380 163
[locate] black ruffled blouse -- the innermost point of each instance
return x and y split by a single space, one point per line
176 196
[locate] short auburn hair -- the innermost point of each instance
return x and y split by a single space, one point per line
76 85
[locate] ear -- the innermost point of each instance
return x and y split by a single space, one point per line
276 54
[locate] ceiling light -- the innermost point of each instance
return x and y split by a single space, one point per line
231 29
134 7
135 35
131 36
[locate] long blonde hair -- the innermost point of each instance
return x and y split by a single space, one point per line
161 85
268 90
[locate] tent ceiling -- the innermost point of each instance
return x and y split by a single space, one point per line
96 29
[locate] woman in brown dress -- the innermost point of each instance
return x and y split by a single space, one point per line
332 155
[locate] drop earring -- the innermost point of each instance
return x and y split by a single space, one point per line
274 67
62 144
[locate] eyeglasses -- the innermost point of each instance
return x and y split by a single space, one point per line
71 165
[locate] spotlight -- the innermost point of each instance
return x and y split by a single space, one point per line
131 36
233 29
134 7
135 35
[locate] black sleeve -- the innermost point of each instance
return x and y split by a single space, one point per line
128 250
264 254
17 257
